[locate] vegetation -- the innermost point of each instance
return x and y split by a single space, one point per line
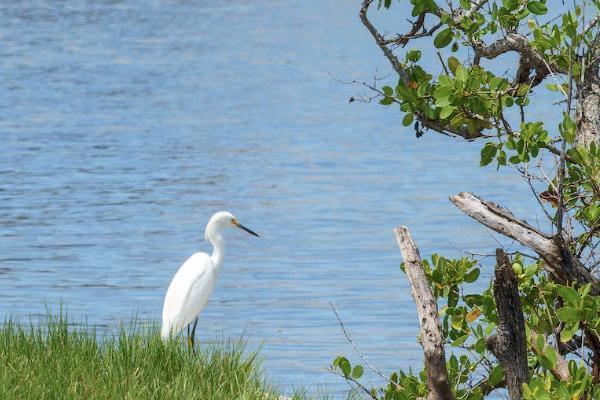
534 333
60 360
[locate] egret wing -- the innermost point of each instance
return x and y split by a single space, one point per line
188 293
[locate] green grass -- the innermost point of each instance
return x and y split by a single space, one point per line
59 360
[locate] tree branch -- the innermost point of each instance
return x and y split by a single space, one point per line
433 124
430 327
559 261
515 42
380 41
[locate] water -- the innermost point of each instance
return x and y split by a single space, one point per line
125 125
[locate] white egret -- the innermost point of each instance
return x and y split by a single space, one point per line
195 280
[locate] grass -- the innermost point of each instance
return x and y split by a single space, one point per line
60 360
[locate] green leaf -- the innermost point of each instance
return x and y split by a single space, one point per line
447 111
357 371
545 362
508 101
568 314
540 342
408 119
462 74
413 55
511 5
490 328
567 128
460 340
458 120
479 346
488 153
569 294
338 360
345 367
569 331
501 158
453 63
405 93
386 101
551 355
443 38
514 159
531 270
473 275
388 91
442 95
537 7
496 375
523 90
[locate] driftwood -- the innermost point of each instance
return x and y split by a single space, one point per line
563 266
509 345
430 327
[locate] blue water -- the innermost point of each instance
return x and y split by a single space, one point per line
125 125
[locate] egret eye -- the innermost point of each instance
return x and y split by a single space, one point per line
233 221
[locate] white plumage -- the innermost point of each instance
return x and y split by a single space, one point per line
194 282
188 293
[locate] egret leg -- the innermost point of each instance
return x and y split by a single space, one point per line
191 344
193 337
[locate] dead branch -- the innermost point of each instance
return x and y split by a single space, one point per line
430 327
563 266
509 344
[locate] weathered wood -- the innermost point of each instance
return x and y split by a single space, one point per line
429 322
588 113
509 345
563 266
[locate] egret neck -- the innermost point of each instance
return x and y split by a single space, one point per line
218 251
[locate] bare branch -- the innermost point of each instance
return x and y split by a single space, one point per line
515 42
354 381
431 331
475 7
380 41
402 40
562 265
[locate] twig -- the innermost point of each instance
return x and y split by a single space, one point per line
356 349
351 379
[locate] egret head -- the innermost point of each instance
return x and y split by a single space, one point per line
221 220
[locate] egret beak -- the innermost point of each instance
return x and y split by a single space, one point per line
242 227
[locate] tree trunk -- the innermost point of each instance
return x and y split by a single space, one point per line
509 345
432 339
587 114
